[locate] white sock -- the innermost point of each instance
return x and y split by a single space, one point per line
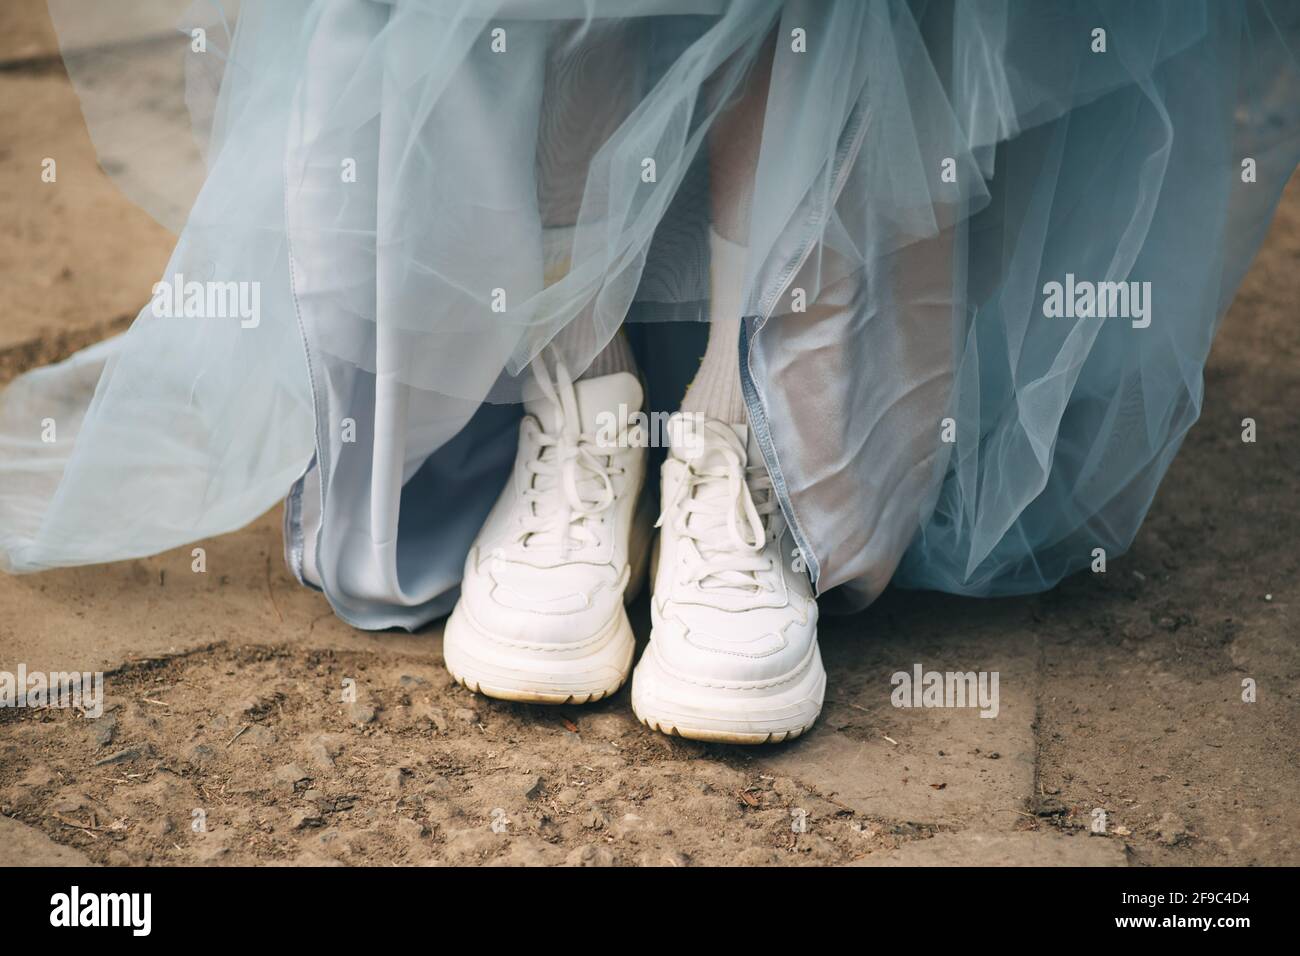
577 341
616 356
715 391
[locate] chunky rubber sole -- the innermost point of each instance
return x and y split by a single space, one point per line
757 712
509 670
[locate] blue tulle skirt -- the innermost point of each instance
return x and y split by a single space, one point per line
989 246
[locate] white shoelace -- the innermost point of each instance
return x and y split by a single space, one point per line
715 509
571 487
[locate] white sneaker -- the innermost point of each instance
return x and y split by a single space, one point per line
733 651
541 617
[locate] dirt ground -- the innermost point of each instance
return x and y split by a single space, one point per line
227 739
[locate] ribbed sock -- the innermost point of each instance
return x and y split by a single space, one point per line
715 391
616 356
578 340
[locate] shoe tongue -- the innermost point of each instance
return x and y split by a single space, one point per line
691 440
599 398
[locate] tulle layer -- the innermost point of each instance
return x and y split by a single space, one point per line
427 197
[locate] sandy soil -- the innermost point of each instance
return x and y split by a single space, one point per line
1121 692
418 771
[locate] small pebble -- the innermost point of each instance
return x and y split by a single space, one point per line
411 829
105 728
305 819
533 786
395 780
289 776
120 757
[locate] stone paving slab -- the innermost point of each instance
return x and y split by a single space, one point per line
96 618
67 286
982 848
929 765
21 845
26 32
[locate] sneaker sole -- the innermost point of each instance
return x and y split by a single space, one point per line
489 665
780 711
